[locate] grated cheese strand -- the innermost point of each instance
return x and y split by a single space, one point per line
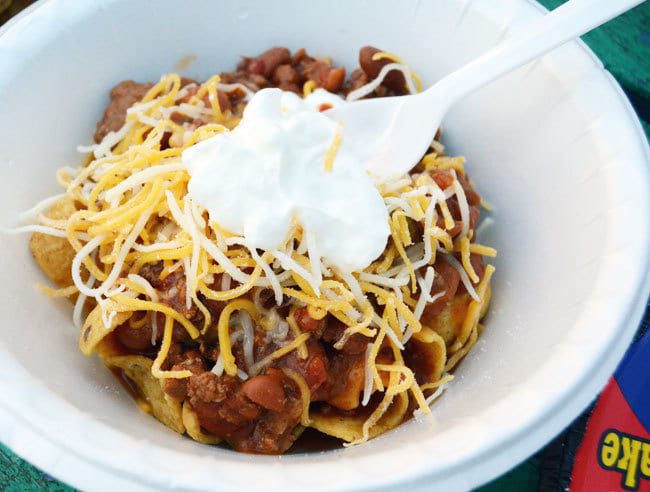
305 394
225 347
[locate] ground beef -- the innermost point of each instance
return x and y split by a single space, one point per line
172 289
123 96
225 408
446 280
177 388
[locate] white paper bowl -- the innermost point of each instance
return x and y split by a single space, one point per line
555 146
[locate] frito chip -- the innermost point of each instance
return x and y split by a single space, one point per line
193 427
486 301
138 369
350 427
427 359
449 321
94 329
54 254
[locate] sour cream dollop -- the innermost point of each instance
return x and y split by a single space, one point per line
270 170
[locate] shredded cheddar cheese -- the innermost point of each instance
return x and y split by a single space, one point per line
162 354
308 87
333 149
305 394
64 292
465 258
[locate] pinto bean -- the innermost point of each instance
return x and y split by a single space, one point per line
265 390
335 79
298 56
305 321
285 74
138 339
268 61
394 79
221 406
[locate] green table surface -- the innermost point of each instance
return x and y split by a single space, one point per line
623 45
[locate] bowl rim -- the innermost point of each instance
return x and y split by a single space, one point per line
51 449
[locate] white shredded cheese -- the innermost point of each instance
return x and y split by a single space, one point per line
393 283
249 338
119 260
292 265
146 286
103 149
226 281
367 378
462 205
158 246
77 312
114 194
463 274
50 231
197 236
31 215
364 90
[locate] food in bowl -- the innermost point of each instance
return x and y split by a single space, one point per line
245 280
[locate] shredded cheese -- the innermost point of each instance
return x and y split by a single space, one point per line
281 352
330 155
162 355
305 394
224 337
134 212
370 87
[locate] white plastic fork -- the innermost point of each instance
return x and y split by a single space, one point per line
391 134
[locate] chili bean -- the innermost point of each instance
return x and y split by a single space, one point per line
305 321
446 280
394 79
266 391
138 339
268 61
